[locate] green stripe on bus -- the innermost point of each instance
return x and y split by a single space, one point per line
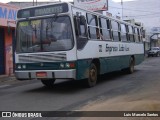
107 64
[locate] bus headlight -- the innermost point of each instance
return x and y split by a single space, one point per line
61 65
19 66
70 65
24 66
67 65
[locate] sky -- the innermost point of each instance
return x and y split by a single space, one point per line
5 1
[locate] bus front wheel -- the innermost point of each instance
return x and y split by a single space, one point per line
92 75
48 82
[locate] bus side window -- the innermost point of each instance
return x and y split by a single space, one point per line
105 28
80 26
83 27
76 24
137 35
81 31
142 33
92 26
127 30
123 32
131 33
115 30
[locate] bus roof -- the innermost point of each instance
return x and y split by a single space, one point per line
88 11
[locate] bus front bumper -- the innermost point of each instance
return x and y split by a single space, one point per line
46 74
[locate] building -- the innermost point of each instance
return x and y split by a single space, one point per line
115 9
28 4
146 12
7 33
105 7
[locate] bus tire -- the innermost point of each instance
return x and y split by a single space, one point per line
92 76
157 55
48 82
130 69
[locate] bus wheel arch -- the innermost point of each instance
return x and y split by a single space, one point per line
130 69
94 71
97 63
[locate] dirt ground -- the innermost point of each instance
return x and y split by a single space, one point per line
134 102
146 99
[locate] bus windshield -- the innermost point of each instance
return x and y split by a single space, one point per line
44 35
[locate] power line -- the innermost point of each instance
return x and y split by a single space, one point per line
146 15
133 9
141 16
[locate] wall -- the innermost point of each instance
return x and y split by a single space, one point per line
8 52
27 4
8 15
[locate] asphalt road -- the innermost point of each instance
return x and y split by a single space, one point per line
72 95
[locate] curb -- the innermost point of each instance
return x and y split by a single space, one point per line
6 78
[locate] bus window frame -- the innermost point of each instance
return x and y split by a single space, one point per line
137 34
107 21
124 33
95 26
131 34
77 21
81 40
118 31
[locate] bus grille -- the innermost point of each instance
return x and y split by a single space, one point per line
47 57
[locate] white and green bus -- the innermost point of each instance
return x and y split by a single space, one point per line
61 41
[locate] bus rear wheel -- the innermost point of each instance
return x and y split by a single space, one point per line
130 70
92 76
48 82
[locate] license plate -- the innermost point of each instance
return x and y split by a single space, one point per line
41 74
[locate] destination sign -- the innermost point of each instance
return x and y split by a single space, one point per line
43 10
50 10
